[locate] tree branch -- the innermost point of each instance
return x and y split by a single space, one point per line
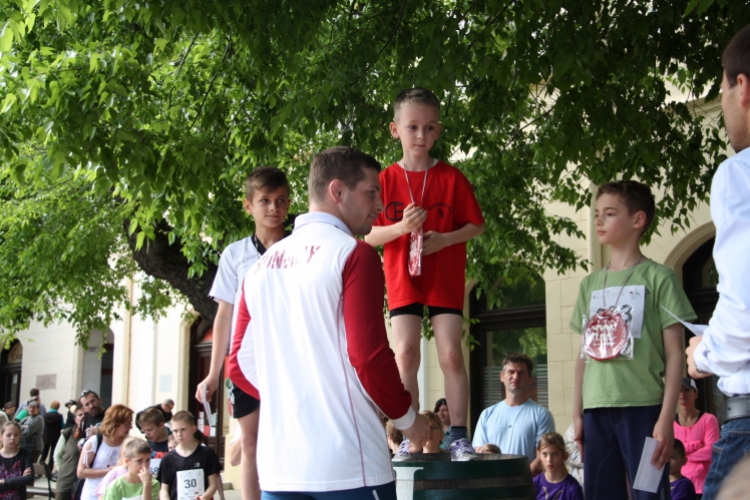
165 261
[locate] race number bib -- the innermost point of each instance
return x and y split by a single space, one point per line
190 484
153 468
415 253
631 304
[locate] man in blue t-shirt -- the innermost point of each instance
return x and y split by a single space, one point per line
516 423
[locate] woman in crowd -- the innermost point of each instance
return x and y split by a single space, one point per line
698 431
436 433
67 453
100 453
32 428
441 410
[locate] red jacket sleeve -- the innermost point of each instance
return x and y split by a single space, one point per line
367 341
234 372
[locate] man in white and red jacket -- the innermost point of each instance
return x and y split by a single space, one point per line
311 343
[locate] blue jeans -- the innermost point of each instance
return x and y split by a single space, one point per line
613 445
732 446
383 492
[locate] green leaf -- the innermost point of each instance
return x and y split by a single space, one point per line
6 37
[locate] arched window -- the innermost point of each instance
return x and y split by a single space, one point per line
519 326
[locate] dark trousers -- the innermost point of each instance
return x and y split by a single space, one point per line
382 492
613 445
48 449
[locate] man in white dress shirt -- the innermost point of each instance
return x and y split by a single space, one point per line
724 349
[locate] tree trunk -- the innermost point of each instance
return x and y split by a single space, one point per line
161 260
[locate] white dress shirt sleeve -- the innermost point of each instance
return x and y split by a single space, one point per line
725 348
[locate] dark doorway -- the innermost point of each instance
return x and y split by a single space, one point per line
10 373
699 278
201 342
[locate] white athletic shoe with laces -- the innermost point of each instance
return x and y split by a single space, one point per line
461 451
403 455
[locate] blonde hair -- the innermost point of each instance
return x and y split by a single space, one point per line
135 447
552 439
121 455
432 418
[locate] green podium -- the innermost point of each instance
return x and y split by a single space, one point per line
435 477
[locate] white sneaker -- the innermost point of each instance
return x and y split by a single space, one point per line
403 455
461 451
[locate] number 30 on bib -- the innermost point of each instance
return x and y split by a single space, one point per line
190 484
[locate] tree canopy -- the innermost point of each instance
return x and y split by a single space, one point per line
127 127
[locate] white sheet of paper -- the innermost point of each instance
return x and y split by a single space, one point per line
696 329
206 408
189 484
648 476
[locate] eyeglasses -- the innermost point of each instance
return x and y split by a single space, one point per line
86 392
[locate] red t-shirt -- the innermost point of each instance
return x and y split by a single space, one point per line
450 203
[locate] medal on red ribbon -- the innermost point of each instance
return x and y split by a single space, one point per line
415 253
416 240
606 335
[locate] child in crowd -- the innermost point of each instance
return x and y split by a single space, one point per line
188 461
119 470
395 437
267 200
555 483
682 487
137 481
152 426
430 213
16 468
631 363
488 449
171 443
432 445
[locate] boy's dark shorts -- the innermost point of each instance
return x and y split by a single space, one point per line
243 404
417 309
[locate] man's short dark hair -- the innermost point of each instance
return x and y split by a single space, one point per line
634 195
34 392
341 162
9 405
267 179
736 57
518 357
415 95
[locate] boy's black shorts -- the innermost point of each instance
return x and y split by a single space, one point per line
417 309
243 404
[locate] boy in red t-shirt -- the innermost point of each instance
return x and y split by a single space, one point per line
430 213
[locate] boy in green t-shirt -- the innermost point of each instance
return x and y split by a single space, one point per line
626 391
138 481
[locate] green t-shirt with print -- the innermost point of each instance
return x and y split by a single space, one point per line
638 381
120 489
